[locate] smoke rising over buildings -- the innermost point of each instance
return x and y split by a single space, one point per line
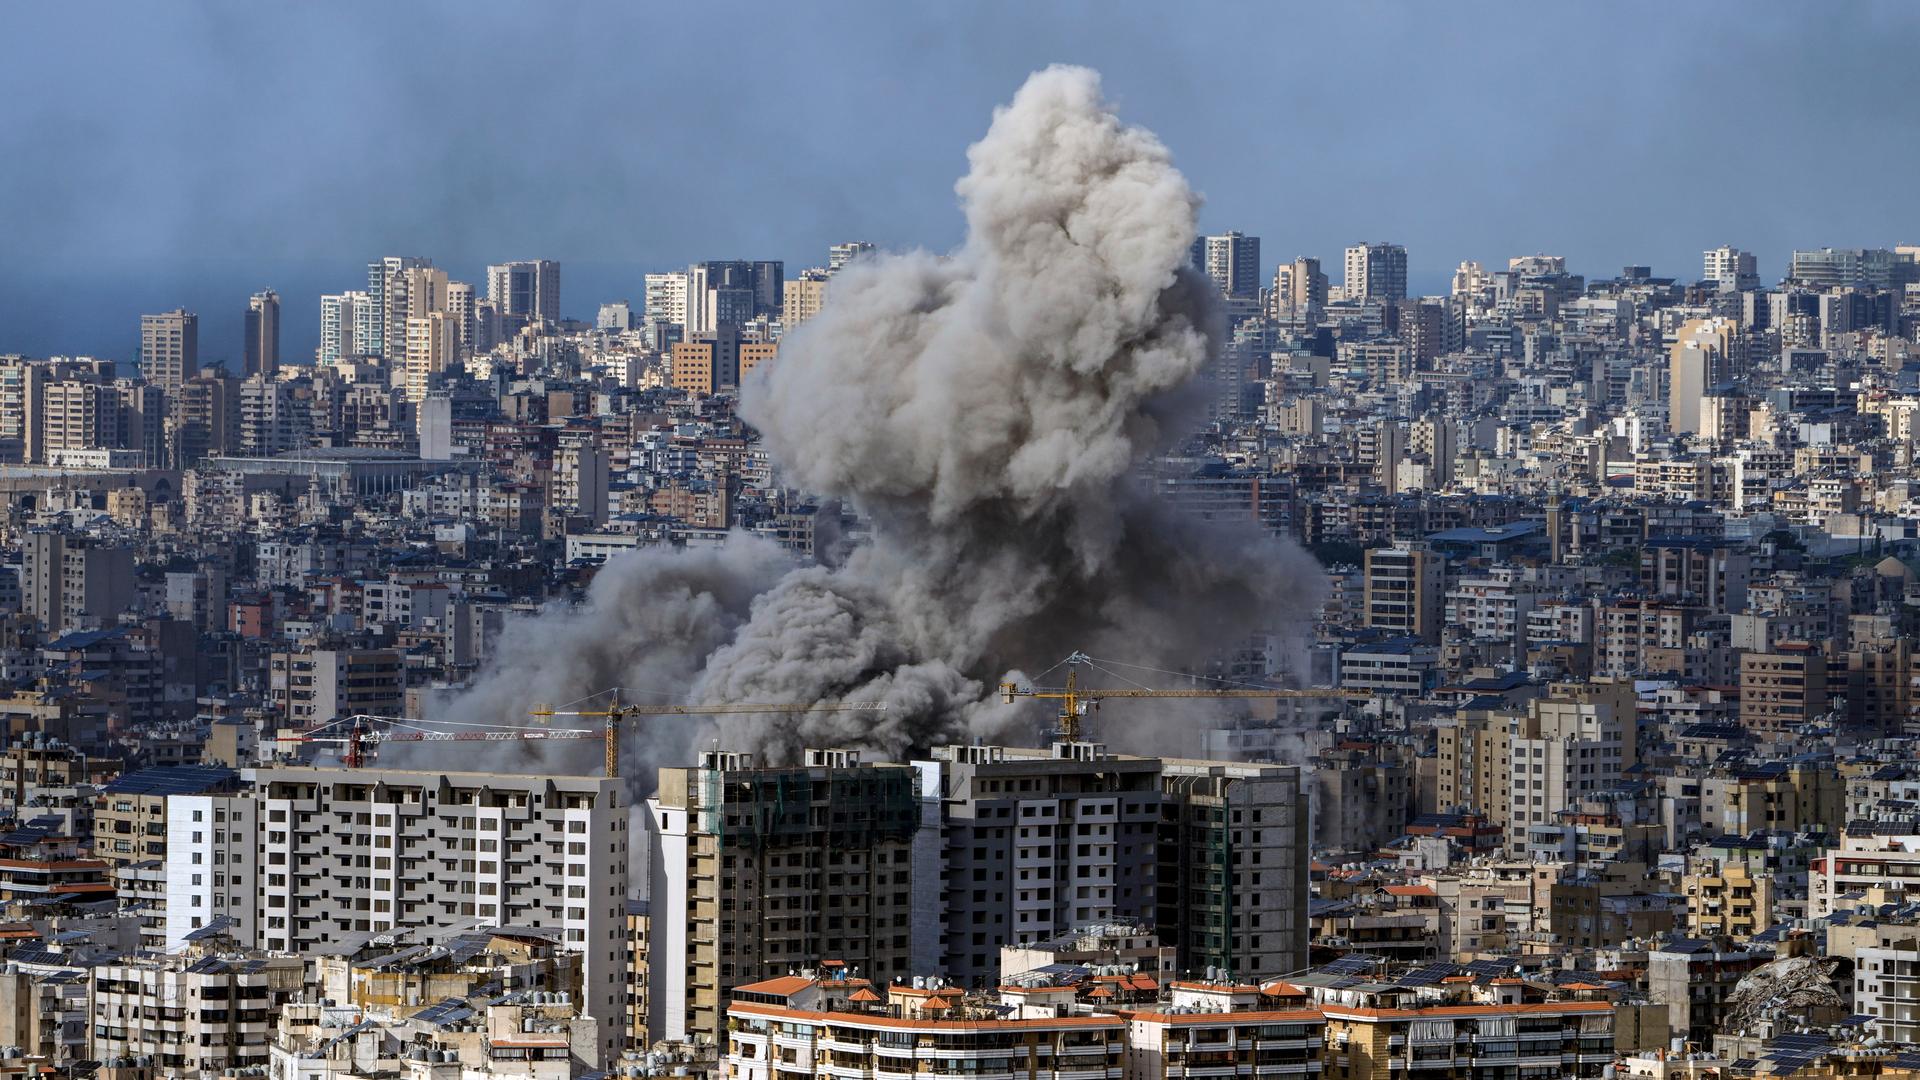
984 410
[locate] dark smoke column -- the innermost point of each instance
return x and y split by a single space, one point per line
984 409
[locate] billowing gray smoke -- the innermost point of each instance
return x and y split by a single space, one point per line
983 410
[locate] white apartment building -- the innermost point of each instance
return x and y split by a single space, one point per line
666 299
1494 607
1864 862
1731 266
1886 985
211 865
432 342
205 1016
342 317
311 854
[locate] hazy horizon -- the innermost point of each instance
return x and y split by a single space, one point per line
192 154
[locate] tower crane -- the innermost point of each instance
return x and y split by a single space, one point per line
615 713
360 732
1075 700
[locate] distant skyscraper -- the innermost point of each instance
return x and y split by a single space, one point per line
617 315
486 325
769 287
733 292
1376 272
666 300
1732 267
806 294
1698 359
1299 284
263 335
368 318
431 347
527 291
423 291
840 254
342 321
1471 279
169 347
386 293
1232 261
460 306
1864 268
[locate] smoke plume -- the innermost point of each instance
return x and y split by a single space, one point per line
985 411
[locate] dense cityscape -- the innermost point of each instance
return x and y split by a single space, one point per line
1105 651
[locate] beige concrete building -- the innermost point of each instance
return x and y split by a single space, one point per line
1702 355
68 582
1405 591
805 296
1474 751
1783 689
431 345
169 347
755 353
1729 901
639 975
194 1015
1577 740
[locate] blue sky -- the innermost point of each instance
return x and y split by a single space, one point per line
182 153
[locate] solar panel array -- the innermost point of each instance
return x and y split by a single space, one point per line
32 834
1800 1041
170 780
1351 965
449 1011
1431 975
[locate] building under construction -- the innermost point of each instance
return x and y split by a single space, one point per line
1233 868
758 871
1041 842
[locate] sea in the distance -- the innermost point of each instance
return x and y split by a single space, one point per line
96 312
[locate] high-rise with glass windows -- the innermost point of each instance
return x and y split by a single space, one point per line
1232 260
262 344
1376 272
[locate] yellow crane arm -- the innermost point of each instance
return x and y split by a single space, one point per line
1076 699
715 710
1011 691
614 713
